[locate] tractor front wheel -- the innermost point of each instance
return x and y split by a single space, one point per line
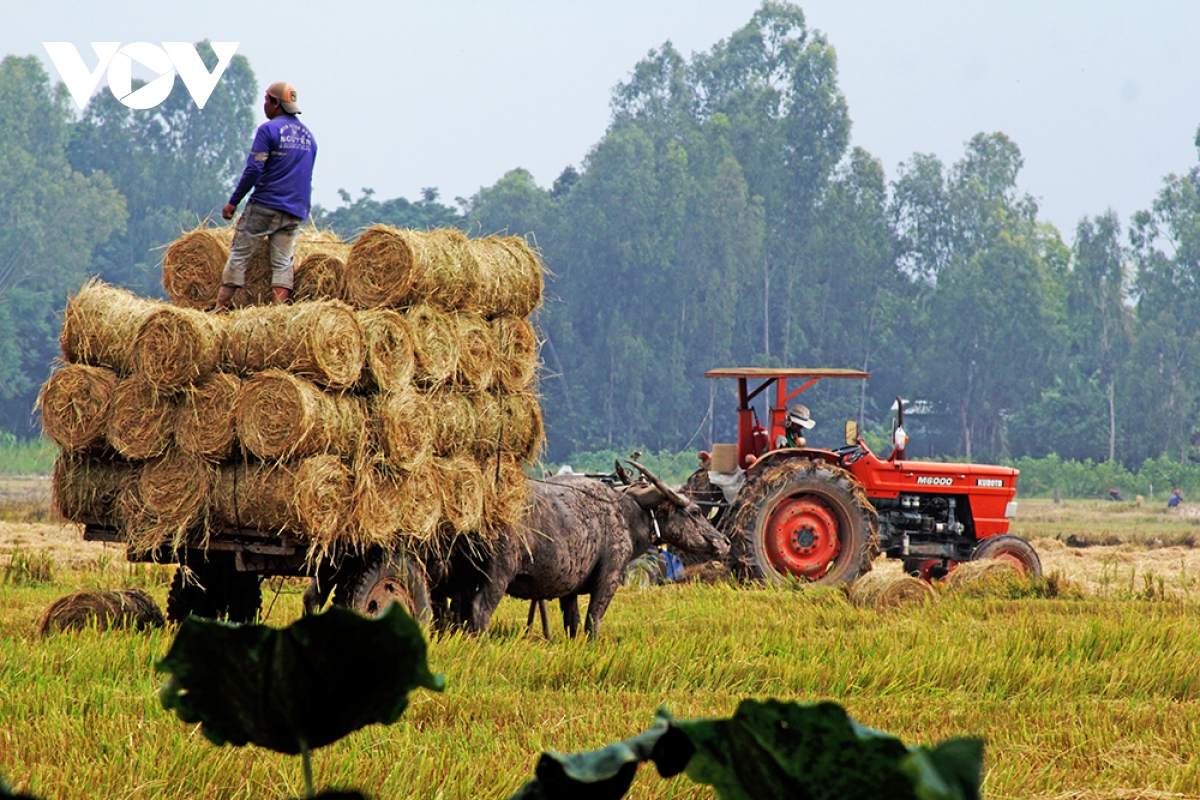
813 523
382 578
1008 547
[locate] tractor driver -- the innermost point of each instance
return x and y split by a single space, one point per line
798 421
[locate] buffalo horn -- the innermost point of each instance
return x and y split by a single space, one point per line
672 495
622 475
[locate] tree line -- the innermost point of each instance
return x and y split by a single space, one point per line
723 219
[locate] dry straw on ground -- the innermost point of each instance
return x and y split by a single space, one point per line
510 276
321 341
100 325
87 487
75 402
141 419
283 416
983 577
193 264
404 429
177 346
476 366
436 345
880 590
516 346
126 608
390 361
309 497
206 416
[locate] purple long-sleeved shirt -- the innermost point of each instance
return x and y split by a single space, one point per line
279 167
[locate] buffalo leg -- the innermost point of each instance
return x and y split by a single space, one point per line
570 612
601 596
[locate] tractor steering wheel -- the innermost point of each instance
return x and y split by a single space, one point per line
849 453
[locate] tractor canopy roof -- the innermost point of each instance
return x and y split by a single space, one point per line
783 372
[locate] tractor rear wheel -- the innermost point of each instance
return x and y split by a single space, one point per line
213 589
811 521
1012 548
382 578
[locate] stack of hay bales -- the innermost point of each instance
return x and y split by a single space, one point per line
398 400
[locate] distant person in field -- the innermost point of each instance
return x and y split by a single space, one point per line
798 421
279 170
1175 499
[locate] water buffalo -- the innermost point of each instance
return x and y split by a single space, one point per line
577 537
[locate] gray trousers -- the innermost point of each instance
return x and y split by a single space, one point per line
253 224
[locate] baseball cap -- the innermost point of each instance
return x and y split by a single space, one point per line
285 93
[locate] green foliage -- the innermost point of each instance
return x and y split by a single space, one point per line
674 468
26 569
769 750
25 456
297 688
6 791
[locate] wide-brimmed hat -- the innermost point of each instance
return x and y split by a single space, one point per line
798 415
285 93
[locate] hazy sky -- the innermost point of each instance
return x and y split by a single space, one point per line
1102 98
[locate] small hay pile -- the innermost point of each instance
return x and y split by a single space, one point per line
126 608
394 400
879 590
987 576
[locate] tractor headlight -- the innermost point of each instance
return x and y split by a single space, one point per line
1010 510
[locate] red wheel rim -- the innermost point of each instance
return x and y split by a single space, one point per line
802 537
1013 557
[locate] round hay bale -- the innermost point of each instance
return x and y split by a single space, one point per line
505 491
177 346
282 416
321 341
446 274
192 266
376 513
100 324
708 572
404 425
460 489
985 576
489 419
521 431
379 267
75 402
454 423
476 367
436 345
516 346
320 266
510 276
127 608
141 418
206 416
879 591
419 500
309 497
86 487
177 487
390 361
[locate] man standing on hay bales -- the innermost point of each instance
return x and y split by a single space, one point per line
279 169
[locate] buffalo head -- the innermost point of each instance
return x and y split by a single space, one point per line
680 521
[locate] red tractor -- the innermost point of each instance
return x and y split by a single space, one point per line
823 515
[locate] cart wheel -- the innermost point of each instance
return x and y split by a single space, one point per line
215 589
812 522
1010 548
385 577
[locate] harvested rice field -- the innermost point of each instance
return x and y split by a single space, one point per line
1084 686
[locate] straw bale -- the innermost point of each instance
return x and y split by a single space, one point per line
177 486
309 497
146 530
74 403
87 487
206 416
436 345
881 590
419 501
320 270
126 608
505 491
376 513
404 428
398 267
460 488
321 341
476 367
516 345
141 419
489 420
100 324
192 266
282 416
177 346
521 432
985 576
390 361
511 277
454 422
